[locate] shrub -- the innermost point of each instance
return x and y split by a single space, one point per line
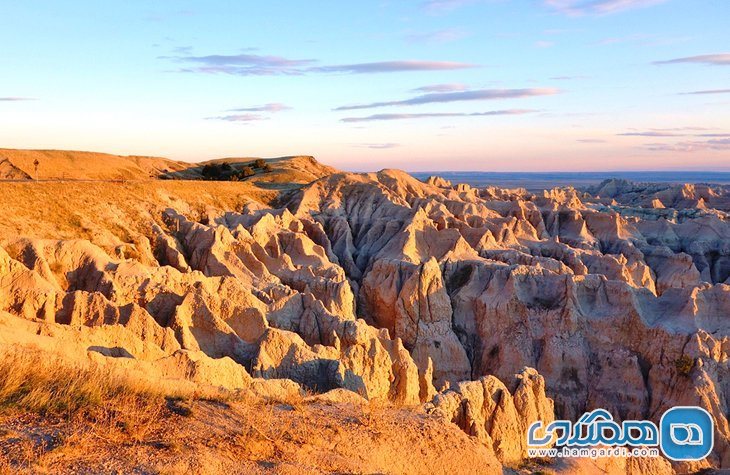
267 168
247 172
684 364
259 163
211 171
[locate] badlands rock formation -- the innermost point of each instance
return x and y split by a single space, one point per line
493 308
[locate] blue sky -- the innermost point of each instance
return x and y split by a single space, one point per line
524 85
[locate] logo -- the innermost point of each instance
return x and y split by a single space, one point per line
686 433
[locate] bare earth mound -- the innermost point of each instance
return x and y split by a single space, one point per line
8 171
66 165
285 171
74 166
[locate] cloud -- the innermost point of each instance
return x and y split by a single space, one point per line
544 44
239 118
377 146
691 146
445 35
561 31
247 64
435 114
681 129
450 87
634 38
186 50
568 78
650 134
244 64
475 95
597 7
717 59
644 39
271 107
392 66
16 99
441 6
710 91
673 132
591 141
159 17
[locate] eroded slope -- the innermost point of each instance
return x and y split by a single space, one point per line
494 307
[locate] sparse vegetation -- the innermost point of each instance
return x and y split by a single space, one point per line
259 163
211 171
535 465
30 382
684 364
92 420
226 172
247 172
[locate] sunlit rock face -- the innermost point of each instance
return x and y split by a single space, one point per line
496 307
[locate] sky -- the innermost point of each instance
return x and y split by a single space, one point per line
490 85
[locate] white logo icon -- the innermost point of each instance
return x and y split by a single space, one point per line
686 434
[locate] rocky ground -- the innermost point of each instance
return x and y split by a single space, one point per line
457 308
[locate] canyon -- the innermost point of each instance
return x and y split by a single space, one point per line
478 310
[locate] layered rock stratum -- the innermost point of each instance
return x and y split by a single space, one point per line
487 308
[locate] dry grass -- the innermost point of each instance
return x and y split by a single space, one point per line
92 403
86 409
110 213
31 382
62 419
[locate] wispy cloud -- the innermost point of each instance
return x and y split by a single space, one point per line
690 128
590 141
643 39
650 133
243 64
186 50
568 78
633 38
680 131
450 87
544 44
16 99
239 118
717 59
159 17
441 6
247 64
675 132
428 115
377 146
445 35
561 31
271 107
392 66
710 91
597 7
691 146
475 95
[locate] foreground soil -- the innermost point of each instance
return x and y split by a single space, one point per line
209 437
